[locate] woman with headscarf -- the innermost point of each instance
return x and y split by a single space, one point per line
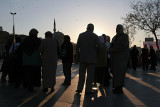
49 48
119 51
31 60
67 59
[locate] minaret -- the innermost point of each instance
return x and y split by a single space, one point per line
54 29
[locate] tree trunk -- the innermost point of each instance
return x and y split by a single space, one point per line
156 40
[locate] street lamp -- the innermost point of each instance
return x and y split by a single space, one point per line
13 25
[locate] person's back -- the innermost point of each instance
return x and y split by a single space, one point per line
49 61
152 58
86 51
145 57
87 42
134 52
67 50
31 60
152 53
145 53
49 48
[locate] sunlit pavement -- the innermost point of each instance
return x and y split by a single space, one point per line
142 90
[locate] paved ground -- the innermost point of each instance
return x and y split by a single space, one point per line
142 90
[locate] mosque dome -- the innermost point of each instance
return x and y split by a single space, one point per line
59 36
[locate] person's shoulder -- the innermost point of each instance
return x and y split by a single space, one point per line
70 43
83 33
95 34
26 38
125 35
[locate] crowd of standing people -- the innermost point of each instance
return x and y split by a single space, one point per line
101 59
146 56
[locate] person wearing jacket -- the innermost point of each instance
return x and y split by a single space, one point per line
67 59
31 60
86 51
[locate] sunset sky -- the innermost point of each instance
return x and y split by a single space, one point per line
72 16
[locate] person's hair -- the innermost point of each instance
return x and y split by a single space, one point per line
119 26
104 35
33 32
66 38
90 27
18 40
48 34
151 47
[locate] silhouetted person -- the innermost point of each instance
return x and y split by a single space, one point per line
145 57
16 64
134 56
101 65
152 58
49 61
5 69
119 51
31 61
107 75
67 59
86 51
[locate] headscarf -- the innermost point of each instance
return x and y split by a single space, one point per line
66 38
120 27
31 43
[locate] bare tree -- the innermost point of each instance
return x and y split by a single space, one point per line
145 16
131 31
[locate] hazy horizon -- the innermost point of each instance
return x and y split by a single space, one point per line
71 16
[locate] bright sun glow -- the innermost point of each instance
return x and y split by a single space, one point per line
99 33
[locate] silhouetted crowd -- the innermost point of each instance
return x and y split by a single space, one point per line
147 57
32 62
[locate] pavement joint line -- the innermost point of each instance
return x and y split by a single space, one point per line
143 83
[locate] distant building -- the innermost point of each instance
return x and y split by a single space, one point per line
1 28
4 36
58 35
151 42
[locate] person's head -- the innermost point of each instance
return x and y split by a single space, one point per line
90 27
108 38
33 32
151 47
66 38
119 29
18 40
104 36
145 45
134 46
48 34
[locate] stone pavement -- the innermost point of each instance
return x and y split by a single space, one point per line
142 90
